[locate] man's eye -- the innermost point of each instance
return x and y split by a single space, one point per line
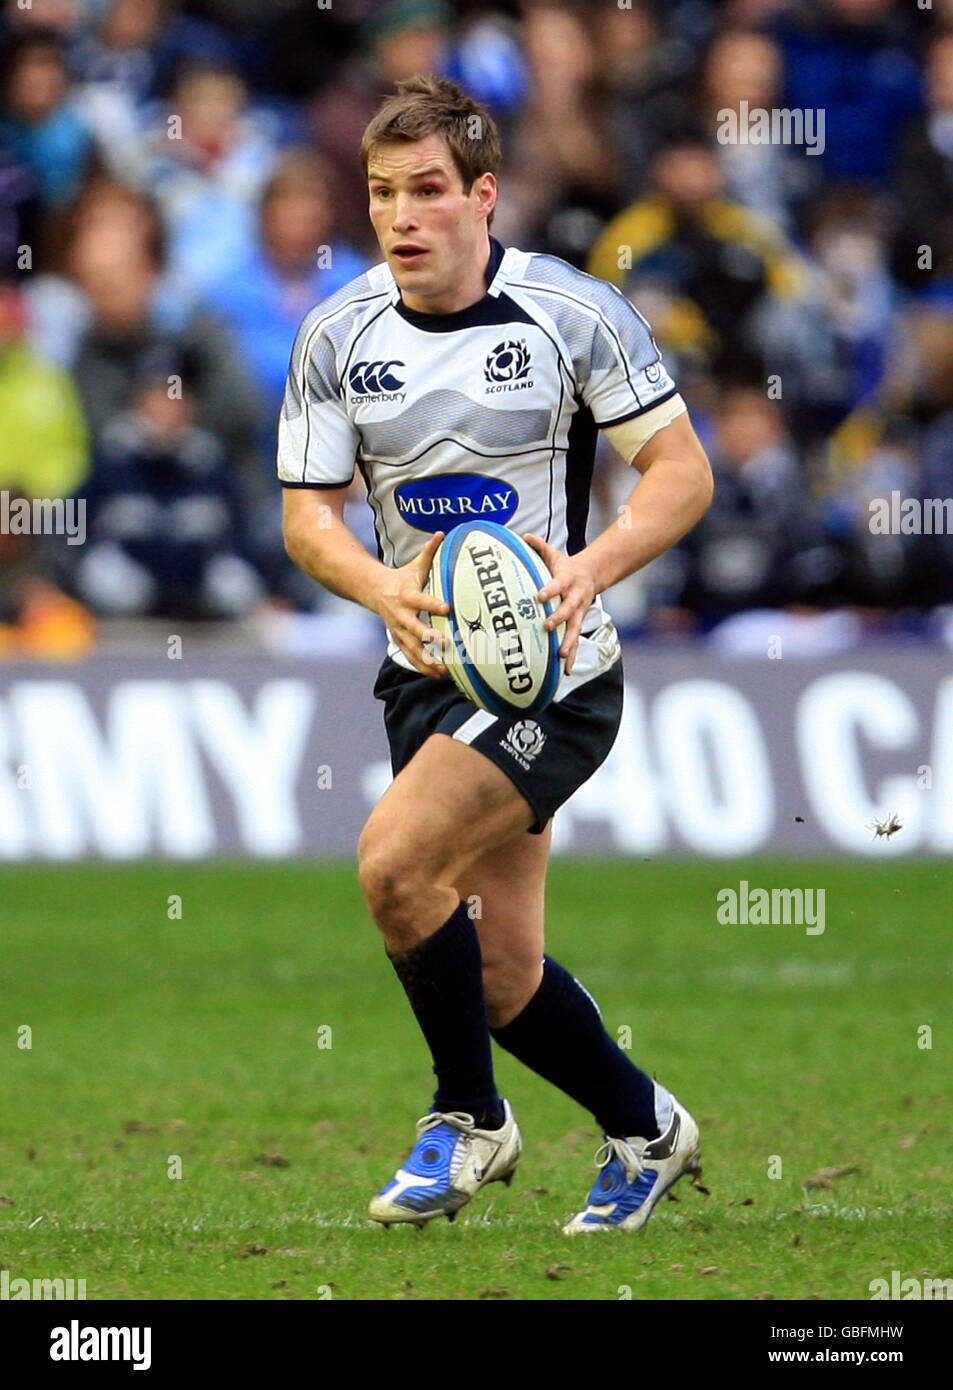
430 188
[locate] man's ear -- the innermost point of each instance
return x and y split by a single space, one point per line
487 193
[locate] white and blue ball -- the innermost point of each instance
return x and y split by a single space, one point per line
500 654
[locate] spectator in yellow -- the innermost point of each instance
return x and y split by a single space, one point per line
712 261
43 454
44 448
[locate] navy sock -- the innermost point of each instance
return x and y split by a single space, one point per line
560 1036
443 978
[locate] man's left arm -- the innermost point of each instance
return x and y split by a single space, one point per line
672 496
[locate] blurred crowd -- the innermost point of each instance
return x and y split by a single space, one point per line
179 183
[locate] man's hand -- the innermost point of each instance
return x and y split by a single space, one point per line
575 583
400 600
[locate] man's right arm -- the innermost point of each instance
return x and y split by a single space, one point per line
317 442
319 542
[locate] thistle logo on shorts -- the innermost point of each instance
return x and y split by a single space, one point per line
375 381
508 365
653 372
442 502
524 740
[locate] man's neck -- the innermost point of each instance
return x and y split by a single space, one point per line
463 296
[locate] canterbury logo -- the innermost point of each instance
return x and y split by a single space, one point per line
373 378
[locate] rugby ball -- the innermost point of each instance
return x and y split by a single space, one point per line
500 654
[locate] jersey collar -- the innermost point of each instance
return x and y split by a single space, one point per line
485 310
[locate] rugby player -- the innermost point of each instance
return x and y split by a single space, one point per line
465 380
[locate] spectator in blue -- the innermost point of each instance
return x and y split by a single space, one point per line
122 64
138 45
209 156
848 237
294 262
39 124
484 56
854 60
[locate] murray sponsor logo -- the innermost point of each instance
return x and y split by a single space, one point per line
500 609
440 503
76 1343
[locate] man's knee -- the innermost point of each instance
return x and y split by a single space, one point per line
396 875
385 871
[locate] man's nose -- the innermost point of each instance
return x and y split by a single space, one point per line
404 215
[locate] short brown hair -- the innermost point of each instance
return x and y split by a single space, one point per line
427 105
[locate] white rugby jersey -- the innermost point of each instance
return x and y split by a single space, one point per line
489 412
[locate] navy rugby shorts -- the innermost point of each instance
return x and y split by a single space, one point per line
547 756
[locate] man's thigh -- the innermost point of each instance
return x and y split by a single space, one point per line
449 807
546 757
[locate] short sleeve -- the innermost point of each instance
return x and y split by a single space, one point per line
317 442
624 374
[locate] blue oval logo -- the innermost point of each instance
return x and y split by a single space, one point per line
443 502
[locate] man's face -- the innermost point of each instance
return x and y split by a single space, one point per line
688 174
433 235
294 226
116 275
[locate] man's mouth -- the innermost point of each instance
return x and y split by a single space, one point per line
407 254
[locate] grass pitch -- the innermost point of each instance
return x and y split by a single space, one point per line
199 1045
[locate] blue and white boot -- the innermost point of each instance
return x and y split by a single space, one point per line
636 1172
449 1164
